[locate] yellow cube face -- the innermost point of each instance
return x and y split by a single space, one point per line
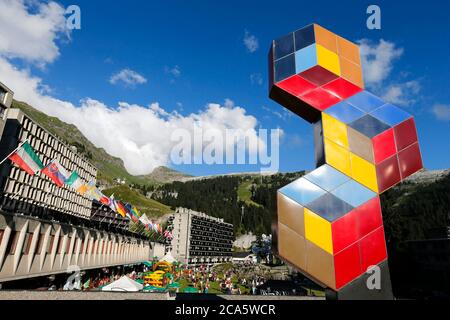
364 172
337 156
328 60
318 231
335 130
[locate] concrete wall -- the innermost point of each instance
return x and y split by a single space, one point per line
31 247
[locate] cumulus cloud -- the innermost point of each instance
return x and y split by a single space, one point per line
128 78
441 111
139 135
378 61
250 42
29 30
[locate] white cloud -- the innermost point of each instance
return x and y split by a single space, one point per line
29 30
441 111
128 77
250 42
378 61
137 134
256 78
174 71
403 94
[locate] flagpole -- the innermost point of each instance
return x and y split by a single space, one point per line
9 155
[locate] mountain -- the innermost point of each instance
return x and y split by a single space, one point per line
166 175
109 167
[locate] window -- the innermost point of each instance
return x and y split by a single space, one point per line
2 95
11 248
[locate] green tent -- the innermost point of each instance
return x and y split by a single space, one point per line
173 285
148 263
153 288
190 290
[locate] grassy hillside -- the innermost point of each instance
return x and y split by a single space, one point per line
150 207
109 167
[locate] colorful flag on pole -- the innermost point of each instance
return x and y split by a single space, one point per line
95 194
27 159
130 214
135 212
120 208
56 172
74 181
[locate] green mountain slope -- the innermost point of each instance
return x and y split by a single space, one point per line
150 207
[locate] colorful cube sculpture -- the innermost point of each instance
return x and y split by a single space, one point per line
329 223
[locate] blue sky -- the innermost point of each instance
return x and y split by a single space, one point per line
192 53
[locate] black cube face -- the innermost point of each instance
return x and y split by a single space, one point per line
284 46
285 67
304 37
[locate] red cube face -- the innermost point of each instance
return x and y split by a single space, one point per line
410 160
345 231
388 174
405 134
347 264
320 99
296 86
318 75
342 88
369 217
384 146
373 249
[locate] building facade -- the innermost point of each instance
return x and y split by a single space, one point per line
199 239
38 194
45 229
6 96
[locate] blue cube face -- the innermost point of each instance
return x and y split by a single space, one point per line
284 68
305 58
304 37
327 178
302 191
391 114
345 112
330 207
365 101
354 193
369 126
284 46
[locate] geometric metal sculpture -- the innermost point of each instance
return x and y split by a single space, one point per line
329 223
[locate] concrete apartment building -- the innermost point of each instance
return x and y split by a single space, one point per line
25 193
45 229
199 239
6 96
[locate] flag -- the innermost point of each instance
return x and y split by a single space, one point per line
120 208
130 213
144 220
27 159
56 172
74 181
95 194
112 203
135 213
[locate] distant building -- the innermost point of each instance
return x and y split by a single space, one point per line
244 258
201 239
